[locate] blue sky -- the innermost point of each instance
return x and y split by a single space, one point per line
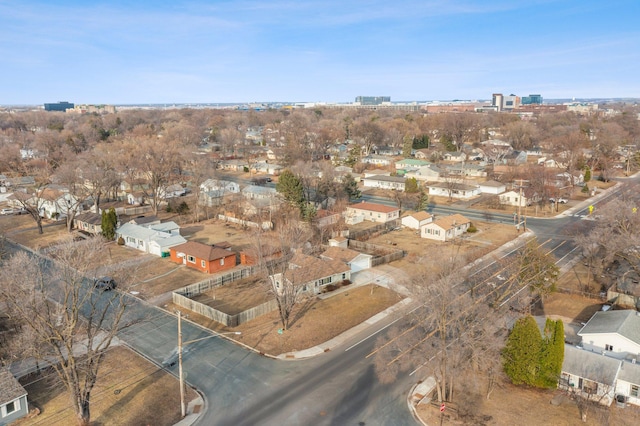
123 52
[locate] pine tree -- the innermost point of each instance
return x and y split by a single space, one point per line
350 187
109 223
587 175
290 186
521 355
551 355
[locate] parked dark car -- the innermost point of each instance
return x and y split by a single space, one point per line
105 284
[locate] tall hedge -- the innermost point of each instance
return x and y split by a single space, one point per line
531 358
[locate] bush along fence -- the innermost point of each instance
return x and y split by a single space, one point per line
380 254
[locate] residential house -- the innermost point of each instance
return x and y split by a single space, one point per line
446 228
453 190
456 156
89 222
355 260
155 239
311 273
136 198
203 257
465 170
54 203
254 192
235 165
492 187
225 186
389 151
410 164
385 182
605 366
614 333
172 191
591 375
425 153
377 160
371 211
416 220
427 173
13 398
513 198
267 168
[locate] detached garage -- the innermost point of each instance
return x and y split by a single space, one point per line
357 261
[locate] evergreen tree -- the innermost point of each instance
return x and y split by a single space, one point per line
350 187
290 186
521 355
109 223
552 354
420 142
407 144
423 201
587 175
411 186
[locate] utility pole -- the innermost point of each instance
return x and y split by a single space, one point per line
181 377
521 221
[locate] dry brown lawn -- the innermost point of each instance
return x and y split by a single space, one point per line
235 297
129 391
474 245
23 230
314 321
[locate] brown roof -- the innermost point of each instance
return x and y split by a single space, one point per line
339 253
304 268
89 217
202 251
451 221
420 216
381 208
10 388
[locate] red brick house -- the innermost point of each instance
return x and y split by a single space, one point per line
203 257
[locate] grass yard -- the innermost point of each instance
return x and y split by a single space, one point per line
236 297
129 391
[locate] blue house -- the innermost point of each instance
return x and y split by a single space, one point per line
13 398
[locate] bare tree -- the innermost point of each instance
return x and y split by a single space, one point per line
70 325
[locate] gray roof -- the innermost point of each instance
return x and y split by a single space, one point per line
10 388
259 190
590 365
630 373
626 323
396 179
165 226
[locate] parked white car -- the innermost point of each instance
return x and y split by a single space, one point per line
7 211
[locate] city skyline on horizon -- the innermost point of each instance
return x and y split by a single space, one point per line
248 51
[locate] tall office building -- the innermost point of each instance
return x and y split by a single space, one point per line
372 100
532 100
496 100
60 106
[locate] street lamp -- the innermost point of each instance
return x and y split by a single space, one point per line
183 408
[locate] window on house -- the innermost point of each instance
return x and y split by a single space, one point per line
635 391
203 263
325 281
191 259
344 276
589 386
222 261
608 347
11 407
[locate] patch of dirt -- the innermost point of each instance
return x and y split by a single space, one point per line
235 297
129 391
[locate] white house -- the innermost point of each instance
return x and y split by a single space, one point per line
426 173
453 190
456 156
225 186
492 187
371 211
355 260
445 229
616 333
416 220
409 164
253 192
513 198
155 239
378 160
385 182
54 203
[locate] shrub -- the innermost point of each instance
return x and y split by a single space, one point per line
330 287
120 241
472 229
345 282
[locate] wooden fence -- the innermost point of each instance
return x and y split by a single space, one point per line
389 254
374 231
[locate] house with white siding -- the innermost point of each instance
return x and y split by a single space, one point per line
395 183
416 220
152 238
373 212
446 228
